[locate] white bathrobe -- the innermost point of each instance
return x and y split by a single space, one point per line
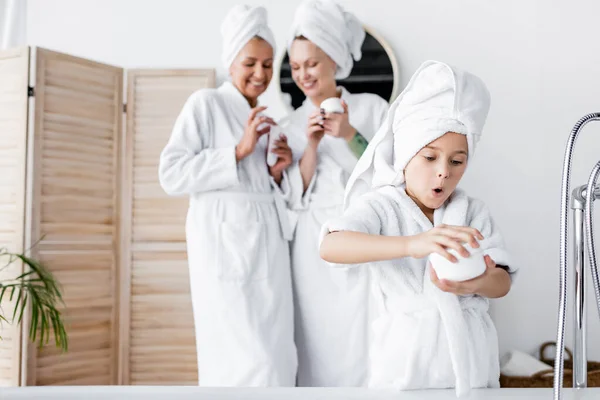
419 336
237 249
330 317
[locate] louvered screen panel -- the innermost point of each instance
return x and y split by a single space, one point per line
157 332
14 78
76 177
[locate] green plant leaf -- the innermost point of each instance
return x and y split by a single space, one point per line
2 292
23 306
40 291
17 304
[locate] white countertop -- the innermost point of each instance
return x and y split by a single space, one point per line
198 393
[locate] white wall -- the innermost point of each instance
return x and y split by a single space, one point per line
12 23
540 60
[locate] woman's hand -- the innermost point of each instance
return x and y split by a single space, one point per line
251 133
315 131
338 125
284 158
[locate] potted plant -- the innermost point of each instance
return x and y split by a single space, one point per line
37 289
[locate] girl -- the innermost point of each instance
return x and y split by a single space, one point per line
427 333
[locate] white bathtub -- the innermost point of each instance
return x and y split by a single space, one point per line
197 393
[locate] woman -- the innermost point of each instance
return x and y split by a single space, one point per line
237 234
330 306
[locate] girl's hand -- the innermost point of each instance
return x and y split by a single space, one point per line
494 282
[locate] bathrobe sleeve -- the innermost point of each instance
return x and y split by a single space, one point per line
284 188
189 164
298 198
493 243
362 216
378 114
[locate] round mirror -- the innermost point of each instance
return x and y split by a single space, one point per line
376 72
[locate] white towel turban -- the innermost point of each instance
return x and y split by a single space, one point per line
439 98
337 32
240 25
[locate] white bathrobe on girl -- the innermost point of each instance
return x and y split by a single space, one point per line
421 337
237 232
330 316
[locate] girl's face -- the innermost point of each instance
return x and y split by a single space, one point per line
312 69
252 69
434 172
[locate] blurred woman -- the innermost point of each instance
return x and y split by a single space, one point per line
237 229
330 305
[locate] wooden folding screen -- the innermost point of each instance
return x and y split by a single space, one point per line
82 191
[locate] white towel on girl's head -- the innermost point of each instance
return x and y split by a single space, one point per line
337 32
241 24
439 98
423 338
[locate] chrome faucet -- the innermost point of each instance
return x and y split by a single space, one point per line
582 204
